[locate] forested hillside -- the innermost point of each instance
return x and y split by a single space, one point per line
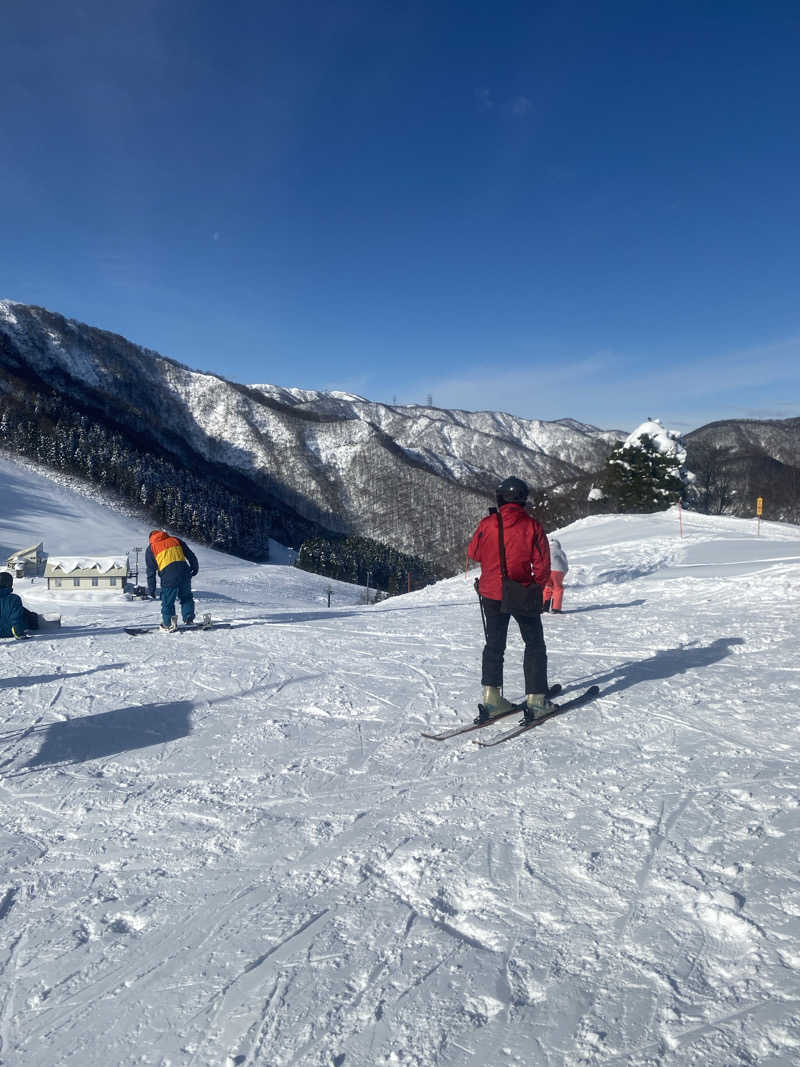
233 465
735 461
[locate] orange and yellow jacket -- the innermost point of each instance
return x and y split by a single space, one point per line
171 558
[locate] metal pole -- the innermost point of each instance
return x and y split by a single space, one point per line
483 613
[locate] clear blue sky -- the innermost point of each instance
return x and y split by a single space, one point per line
558 209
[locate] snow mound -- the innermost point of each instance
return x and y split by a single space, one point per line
668 442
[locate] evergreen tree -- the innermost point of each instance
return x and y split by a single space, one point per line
643 475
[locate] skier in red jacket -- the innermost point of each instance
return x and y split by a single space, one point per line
527 561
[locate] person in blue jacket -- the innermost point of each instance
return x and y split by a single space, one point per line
12 613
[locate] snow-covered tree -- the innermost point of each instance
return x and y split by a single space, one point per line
646 472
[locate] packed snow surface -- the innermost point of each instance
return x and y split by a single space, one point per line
234 847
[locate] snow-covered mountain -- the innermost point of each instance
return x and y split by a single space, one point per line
779 439
234 848
415 478
739 460
468 446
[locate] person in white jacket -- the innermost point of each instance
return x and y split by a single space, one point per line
554 590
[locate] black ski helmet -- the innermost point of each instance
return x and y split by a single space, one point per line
6 580
512 491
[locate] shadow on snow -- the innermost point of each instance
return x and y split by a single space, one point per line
43 679
604 607
111 732
665 664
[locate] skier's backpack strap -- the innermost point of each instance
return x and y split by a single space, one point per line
501 545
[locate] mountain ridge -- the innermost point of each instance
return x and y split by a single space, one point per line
250 462
414 478
737 461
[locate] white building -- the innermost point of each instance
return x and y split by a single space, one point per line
66 573
28 562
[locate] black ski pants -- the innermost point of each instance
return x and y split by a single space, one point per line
535 661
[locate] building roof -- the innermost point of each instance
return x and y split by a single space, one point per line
93 565
26 551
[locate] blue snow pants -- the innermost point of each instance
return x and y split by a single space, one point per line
182 592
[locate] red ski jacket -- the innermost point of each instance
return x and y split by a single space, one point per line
527 550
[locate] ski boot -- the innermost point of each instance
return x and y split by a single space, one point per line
172 628
538 706
494 704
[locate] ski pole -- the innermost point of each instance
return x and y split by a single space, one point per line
483 613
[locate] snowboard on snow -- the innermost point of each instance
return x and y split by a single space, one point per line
554 690
205 624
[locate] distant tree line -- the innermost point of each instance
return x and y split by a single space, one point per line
730 480
363 561
559 505
194 504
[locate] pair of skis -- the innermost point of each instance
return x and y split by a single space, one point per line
559 709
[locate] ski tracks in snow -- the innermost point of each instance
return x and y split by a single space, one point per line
270 866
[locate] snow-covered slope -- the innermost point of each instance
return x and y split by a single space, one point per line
466 443
411 477
234 847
